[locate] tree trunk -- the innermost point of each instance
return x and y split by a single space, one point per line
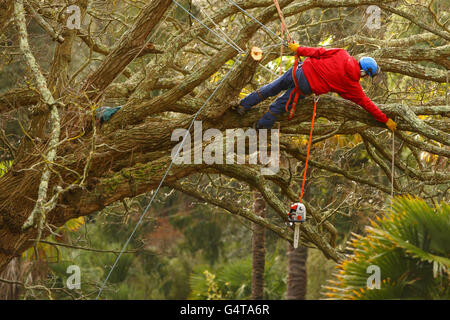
10 291
258 249
296 286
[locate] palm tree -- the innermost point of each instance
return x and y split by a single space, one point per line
297 280
410 248
9 281
258 249
296 283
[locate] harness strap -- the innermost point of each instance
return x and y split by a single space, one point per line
296 92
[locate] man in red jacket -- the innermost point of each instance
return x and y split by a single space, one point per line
323 71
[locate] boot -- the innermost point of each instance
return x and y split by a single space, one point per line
239 109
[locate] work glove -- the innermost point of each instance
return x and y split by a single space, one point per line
391 125
293 46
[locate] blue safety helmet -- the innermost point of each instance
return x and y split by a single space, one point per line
369 65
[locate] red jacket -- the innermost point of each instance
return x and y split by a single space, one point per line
336 71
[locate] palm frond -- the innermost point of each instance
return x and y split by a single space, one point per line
409 245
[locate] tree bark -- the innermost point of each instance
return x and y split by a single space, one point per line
296 285
258 249
124 52
10 291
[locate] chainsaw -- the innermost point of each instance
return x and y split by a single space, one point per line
296 215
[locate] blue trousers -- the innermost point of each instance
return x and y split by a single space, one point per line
285 82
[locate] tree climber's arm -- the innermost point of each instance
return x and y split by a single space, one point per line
356 94
306 51
310 52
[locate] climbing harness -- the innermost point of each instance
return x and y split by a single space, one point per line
296 92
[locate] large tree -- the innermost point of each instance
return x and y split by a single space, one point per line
258 249
162 65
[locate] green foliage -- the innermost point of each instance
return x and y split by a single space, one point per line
409 245
202 230
4 166
202 236
233 280
318 270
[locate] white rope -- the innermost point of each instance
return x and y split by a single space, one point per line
256 20
230 42
221 31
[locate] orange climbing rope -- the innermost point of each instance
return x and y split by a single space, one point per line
281 51
309 148
296 92
283 23
283 28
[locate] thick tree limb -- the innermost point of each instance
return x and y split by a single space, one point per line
17 98
413 70
414 19
45 25
39 209
120 56
6 11
358 39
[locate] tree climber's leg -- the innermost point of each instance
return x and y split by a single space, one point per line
275 109
279 105
272 89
